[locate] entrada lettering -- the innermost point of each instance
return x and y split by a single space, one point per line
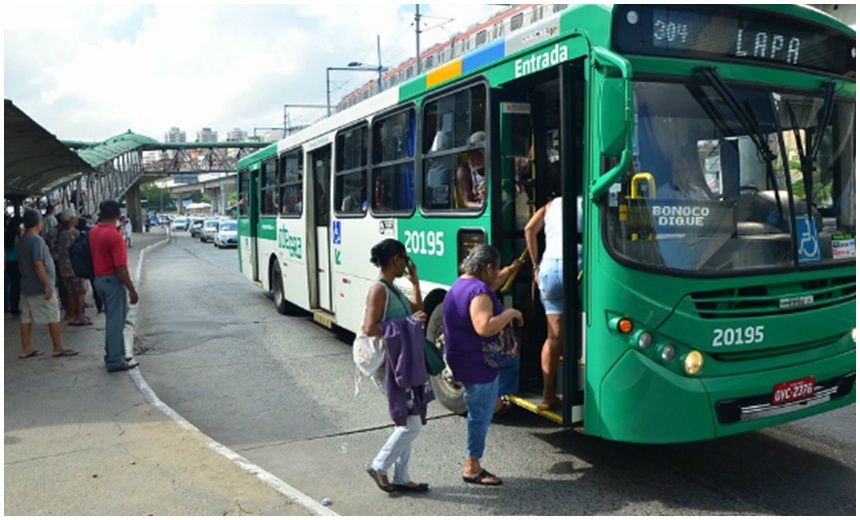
541 61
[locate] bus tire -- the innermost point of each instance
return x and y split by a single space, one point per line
278 295
449 392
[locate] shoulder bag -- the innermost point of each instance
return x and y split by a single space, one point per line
502 351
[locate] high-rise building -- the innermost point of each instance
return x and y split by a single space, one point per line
174 135
237 135
207 135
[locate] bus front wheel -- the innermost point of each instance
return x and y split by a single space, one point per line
449 392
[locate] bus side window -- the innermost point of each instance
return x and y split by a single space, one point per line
452 125
393 166
350 184
291 183
269 188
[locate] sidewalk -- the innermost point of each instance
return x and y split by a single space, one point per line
82 441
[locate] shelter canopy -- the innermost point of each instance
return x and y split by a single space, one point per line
36 161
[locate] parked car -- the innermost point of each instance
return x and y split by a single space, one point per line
163 220
196 226
179 224
210 228
226 235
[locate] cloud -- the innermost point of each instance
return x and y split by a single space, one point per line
92 72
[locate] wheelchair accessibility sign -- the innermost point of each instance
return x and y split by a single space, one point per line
337 236
809 247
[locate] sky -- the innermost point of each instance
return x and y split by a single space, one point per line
90 72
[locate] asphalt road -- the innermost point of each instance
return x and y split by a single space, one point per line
279 391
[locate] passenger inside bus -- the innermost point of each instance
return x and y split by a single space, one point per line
471 177
438 179
355 199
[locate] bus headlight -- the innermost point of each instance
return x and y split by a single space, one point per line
693 362
854 334
667 353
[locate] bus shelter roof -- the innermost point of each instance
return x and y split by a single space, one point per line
36 161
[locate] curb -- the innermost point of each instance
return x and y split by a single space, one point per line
291 493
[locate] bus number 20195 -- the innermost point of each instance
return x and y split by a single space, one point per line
738 336
425 242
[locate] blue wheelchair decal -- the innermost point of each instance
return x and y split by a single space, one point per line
336 234
809 247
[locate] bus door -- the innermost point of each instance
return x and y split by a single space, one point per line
253 221
540 136
319 205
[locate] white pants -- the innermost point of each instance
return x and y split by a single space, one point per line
397 450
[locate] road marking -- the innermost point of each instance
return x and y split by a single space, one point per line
291 493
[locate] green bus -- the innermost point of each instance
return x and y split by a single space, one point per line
712 148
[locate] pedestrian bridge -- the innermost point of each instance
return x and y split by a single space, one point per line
121 163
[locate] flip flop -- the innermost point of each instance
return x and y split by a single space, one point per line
479 479
65 353
423 487
33 353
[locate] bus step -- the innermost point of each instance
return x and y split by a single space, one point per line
324 318
532 404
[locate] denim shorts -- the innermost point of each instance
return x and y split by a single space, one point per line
551 285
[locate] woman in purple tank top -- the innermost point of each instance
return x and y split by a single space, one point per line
473 315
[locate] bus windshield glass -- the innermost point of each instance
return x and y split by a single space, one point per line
720 178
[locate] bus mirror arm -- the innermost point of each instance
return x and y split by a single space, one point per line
602 184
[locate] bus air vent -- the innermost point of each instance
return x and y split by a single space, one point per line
762 300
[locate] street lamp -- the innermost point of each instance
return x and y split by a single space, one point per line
351 66
356 65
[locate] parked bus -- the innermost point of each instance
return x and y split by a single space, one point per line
713 149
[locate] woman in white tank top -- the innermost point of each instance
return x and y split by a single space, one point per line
548 275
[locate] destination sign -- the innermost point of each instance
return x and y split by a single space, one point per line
732 32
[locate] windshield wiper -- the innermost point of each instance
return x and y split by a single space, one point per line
787 171
746 120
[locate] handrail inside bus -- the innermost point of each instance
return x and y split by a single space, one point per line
602 184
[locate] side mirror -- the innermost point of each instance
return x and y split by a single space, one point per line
612 122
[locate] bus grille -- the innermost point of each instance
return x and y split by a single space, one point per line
761 300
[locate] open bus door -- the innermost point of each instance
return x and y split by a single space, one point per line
540 156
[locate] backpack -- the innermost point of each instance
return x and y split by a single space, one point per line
82 259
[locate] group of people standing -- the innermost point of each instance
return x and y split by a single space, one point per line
473 315
38 266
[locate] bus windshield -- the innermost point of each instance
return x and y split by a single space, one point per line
721 177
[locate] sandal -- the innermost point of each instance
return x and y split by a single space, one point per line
481 477
65 353
33 353
415 488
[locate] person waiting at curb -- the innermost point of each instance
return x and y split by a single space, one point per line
39 303
113 283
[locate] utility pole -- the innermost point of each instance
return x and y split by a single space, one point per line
417 39
379 61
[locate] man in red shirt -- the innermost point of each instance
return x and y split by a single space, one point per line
112 283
